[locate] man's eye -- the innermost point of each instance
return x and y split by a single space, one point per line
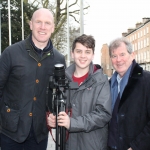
122 54
113 56
47 23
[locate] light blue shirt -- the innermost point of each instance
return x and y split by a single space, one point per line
118 84
118 80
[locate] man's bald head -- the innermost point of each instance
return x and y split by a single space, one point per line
42 11
42 26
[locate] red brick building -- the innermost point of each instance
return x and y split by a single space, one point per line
105 60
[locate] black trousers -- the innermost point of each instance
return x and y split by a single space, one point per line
110 148
29 144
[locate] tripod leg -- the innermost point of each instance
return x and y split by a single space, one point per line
62 129
57 128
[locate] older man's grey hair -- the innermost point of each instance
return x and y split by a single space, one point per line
117 43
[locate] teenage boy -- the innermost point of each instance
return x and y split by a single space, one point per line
91 103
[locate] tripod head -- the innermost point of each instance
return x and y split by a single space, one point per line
58 83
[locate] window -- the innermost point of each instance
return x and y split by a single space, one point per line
139 59
136 57
144 31
141 44
138 35
135 46
144 55
131 39
147 41
141 34
148 54
144 43
147 30
135 36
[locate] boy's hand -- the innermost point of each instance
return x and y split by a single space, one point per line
51 120
63 120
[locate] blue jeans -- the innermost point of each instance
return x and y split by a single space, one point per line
29 144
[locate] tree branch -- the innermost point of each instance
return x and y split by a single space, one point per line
74 18
65 8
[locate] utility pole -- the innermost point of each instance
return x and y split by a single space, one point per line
22 17
0 28
81 18
68 40
9 22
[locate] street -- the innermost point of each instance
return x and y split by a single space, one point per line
51 143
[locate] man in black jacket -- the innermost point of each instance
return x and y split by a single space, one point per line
130 88
25 68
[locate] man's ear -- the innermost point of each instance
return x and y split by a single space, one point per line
53 28
133 55
30 24
72 55
93 56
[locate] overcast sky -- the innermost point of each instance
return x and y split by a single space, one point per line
108 19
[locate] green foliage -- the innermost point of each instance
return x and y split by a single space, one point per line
16 21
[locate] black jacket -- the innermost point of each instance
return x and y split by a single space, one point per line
23 81
134 111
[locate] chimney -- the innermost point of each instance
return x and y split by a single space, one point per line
124 34
130 30
138 24
145 19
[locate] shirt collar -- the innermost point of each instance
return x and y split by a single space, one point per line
38 50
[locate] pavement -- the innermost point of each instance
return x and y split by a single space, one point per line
51 143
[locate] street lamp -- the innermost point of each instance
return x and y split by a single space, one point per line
22 17
68 36
0 27
9 22
81 18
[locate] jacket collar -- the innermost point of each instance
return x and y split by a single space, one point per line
33 53
136 70
70 70
135 75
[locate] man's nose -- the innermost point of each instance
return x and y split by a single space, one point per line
118 58
43 25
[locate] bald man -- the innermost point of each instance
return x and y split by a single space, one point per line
25 68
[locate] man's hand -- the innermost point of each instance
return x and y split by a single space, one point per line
51 120
130 148
63 120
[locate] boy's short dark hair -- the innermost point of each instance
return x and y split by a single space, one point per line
86 40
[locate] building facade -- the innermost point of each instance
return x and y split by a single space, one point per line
140 39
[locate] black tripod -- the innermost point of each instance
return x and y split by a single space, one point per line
56 100
60 105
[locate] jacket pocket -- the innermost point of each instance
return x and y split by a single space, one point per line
10 118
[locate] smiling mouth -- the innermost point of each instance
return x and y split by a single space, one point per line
120 65
82 61
42 33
